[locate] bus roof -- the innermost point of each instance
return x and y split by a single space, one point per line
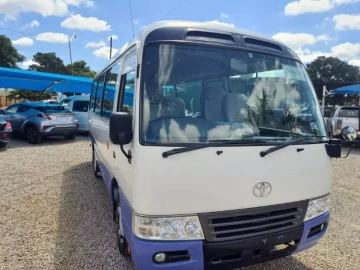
143 35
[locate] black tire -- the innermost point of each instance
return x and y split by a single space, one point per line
69 137
32 135
121 240
95 165
3 144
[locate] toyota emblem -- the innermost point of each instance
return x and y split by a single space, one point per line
262 189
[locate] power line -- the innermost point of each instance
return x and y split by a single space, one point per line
171 11
132 21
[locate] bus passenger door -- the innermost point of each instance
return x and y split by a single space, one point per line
121 166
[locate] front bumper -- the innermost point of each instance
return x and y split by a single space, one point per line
231 254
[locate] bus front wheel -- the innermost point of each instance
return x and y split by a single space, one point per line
122 243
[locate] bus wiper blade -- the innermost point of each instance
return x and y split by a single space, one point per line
210 144
281 146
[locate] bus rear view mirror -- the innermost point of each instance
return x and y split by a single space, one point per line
120 128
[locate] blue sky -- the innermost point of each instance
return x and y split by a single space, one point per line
310 27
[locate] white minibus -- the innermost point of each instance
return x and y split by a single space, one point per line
79 105
212 146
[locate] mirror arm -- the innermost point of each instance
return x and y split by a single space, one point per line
349 151
127 155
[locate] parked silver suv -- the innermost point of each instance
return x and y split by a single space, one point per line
36 120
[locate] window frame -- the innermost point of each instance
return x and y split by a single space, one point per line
121 95
97 88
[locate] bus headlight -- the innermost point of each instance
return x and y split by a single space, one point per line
317 207
167 228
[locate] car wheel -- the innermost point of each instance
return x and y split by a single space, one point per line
122 243
71 136
32 135
95 165
3 144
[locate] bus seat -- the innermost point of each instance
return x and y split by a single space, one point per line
173 107
211 108
232 105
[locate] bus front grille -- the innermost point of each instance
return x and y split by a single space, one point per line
247 223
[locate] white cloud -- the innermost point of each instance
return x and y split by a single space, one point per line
77 3
295 40
114 37
12 8
346 50
104 52
52 37
142 27
28 63
221 23
95 44
323 37
354 62
32 24
308 6
91 23
313 6
347 22
308 56
25 41
224 16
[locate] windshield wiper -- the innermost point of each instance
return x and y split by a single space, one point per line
210 144
292 142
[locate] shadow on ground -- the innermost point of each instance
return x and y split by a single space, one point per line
86 232
19 142
86 235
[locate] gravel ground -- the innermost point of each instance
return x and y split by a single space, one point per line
54 214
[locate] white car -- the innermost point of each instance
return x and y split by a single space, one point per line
341 117
80 106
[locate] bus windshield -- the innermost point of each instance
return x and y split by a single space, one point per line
197 94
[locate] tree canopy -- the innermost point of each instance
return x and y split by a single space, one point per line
332 70
9 56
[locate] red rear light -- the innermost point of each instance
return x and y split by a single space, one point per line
45 116
339 124
8 126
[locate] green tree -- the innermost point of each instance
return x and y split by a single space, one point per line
29 95
9 56
49 62
80 68
325 70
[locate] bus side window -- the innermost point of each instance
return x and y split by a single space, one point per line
126 92
99 91
93 94
108 96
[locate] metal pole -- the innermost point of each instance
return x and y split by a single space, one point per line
323 100
72 71
110 46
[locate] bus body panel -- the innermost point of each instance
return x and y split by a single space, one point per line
202 181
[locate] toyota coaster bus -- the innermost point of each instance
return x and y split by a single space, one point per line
212 146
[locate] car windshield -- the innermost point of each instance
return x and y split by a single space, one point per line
65 103
198 94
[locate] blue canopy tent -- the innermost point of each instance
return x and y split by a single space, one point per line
42 81
350 90
51 82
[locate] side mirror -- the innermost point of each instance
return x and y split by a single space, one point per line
349 133
120 128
